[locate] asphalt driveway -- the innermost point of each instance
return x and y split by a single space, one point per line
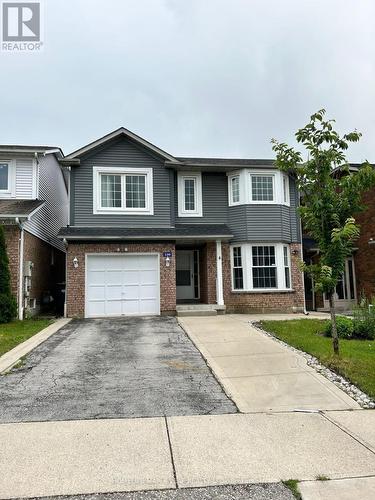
112 368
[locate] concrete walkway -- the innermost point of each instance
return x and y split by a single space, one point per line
97 456
258 373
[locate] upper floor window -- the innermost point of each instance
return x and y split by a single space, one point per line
262 188
4 176
235 189
189 188
258 187
123 190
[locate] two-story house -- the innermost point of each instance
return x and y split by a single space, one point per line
33 207
149 230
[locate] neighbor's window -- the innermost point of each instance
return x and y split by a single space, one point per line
237 269
126 190
262 187
264 267
286 266
235 189
189 186
4 176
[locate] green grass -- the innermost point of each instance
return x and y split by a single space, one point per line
356 361
292 485
16 332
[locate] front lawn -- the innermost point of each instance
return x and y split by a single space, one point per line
12 334
356 361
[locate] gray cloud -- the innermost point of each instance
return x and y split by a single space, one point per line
212 77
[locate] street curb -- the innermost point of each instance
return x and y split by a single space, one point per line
10 358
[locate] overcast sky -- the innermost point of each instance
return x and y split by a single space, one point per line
195 77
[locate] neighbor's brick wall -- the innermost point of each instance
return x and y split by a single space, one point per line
262 302
75 298
12 236
44 274
364 257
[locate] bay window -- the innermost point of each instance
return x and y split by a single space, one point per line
123 190
260 267
266 187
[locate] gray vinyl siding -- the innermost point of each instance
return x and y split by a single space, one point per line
214 201
116 154
266 222
53 215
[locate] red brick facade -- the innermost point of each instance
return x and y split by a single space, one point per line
235 301
46 271
253 302
12 241
364 257
75 299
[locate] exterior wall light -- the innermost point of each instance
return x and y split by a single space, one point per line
75 262
167 261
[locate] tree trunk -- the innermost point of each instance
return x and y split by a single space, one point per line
335 338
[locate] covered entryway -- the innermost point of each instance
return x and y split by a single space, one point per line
122 285
187 275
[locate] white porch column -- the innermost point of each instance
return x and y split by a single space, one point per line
219 275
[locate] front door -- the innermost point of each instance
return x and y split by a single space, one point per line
345 296
185 274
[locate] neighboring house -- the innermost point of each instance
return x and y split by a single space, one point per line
33 207
148 231
358 278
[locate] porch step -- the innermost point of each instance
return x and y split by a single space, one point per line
199 310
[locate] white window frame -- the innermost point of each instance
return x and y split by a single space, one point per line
197 177
245 180
249 181
247 267
285 191
123 172
11 191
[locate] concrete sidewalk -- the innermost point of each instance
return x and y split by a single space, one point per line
258 373
97 456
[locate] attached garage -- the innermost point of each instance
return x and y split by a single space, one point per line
122 285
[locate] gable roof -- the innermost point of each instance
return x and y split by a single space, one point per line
120 132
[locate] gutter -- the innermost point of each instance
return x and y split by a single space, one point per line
20 283
161 238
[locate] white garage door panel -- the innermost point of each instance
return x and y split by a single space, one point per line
120 285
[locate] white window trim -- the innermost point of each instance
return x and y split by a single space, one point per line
246 187
123 171
181 177
247 266
230 191
11 191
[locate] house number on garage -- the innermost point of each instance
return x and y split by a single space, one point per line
167 254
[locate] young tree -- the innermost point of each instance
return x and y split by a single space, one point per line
329 201
8 306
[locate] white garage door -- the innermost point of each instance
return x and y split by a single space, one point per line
121 285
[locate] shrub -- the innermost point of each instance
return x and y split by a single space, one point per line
345 328
364 319
8 308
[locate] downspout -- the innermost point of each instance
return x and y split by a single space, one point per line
20 283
